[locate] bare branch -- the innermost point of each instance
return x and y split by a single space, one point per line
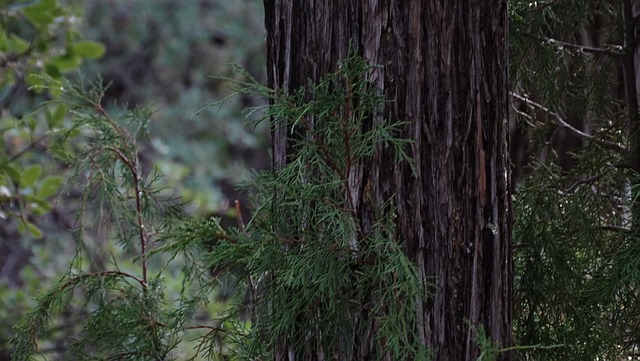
615 51
561 122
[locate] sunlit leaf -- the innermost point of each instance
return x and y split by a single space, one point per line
22 5
13 173
88 49
65 62
30 175
40 13
37 202
34 230
38 211
16 45
38 16
49 186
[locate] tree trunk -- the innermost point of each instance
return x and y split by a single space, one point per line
444 72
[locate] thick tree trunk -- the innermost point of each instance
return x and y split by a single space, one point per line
444 70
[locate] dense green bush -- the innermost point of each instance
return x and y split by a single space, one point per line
39 42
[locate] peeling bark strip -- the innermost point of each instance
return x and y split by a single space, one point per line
444 68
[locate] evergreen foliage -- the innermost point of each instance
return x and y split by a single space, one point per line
575 257
126 313
316 279
322 283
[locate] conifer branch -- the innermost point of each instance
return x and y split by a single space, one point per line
615 51
133 168
561 122
124 134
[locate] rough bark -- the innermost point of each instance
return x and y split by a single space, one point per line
444 70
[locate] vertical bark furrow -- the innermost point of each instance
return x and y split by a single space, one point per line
444 70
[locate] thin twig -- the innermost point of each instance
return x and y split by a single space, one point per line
132 164
75 279
143 241
613 229
239 216
28 148
7 60
580 182
560 121
615 51
542 5
124 134
253 284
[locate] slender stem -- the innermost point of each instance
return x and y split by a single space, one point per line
580 182
558 119
26 149
143 241
347 146
239 215
132 164
615 51
124 134
74 280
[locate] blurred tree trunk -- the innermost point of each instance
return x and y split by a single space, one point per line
631 78
444 72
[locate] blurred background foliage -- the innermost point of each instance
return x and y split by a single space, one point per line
161 53
166 54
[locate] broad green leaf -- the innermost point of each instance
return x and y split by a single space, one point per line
52 70
22 5
88 49
16 45
30 175
41 13
49 187
11 171
66 62
38 15
38 211
37 202
35 231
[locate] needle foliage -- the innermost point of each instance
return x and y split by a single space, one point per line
320 282
576 210
310 277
